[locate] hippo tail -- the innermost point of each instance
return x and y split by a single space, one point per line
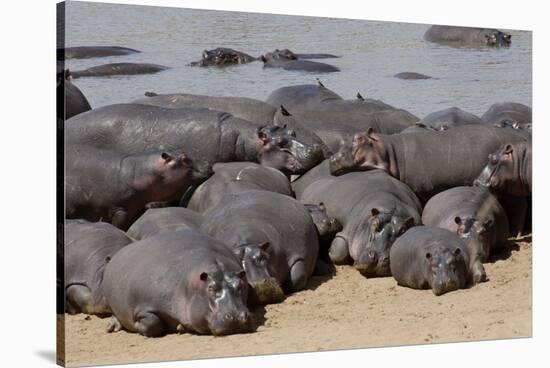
150 94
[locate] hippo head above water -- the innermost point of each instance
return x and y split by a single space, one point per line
364 151
506 171
224 293
283 54
256 261
498 39
279 148
381 230
222 57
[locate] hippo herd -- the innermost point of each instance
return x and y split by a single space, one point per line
183 211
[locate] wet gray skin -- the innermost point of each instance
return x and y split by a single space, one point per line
223 57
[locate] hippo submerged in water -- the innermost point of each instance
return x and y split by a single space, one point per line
84 52
181 281
281 60
222 56
118 69
467 36
88 249
412 76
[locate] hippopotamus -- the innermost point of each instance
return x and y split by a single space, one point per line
449 118
255 111
300 184
302 97
512 113
428 257
214 136
116 187
160 220
332 126
326 226
287 54
419 127
476 216
279 222
84 52
467 36
427 163
235 177
108 70
88 249
181 281
374 209
412 76
75 101
278 60
509 175
223 57
509 170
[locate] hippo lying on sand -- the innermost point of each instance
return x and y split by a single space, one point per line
374 209
283 223
118 69
161 220
102 184
84 52
467 36
88 248
235 177
180 281
428 257
427 163
509 170
214 136
476 216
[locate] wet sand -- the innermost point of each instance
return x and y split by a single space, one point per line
341 311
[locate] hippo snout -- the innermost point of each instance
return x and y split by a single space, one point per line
266 291
441 287
234 322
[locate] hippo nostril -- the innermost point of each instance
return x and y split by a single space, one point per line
244 316
372 256
228 317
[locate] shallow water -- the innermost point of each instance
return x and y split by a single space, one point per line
372 52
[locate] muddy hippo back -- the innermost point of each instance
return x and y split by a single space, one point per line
88 248
235 177
161 220
430 258
173 282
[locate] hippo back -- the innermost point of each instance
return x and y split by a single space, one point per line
161 220
301 97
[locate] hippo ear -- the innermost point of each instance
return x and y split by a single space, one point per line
241 274
371 135
205 54
508 149
263 59
166 157
457 252
322 206
458 220
358 139
262 136
374 212
204 276
359 97
285 111
265 246
428 255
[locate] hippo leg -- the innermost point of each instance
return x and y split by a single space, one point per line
78 297
298 276
114 325
119 218
149 324
339 251
321 268
477 273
